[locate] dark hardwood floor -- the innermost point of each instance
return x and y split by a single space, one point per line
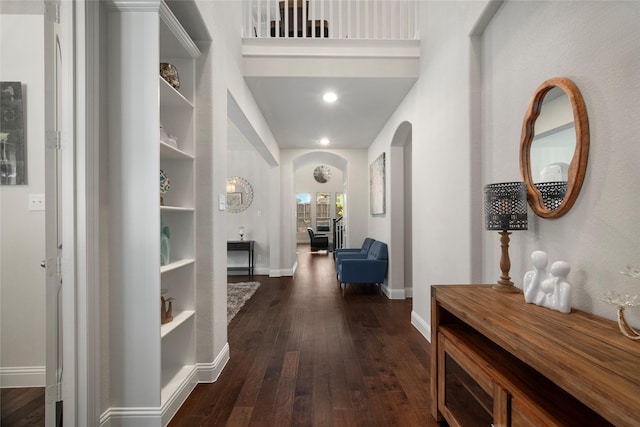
304 355
22 407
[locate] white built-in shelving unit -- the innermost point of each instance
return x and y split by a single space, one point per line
152 367
177 115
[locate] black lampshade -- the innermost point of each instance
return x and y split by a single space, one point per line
505 206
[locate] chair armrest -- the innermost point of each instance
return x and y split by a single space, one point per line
350 255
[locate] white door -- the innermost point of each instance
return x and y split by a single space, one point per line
53 229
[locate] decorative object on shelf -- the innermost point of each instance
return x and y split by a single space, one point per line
505 209
165 234
239 194
625 301
165 185
241 232
377 191
166 308
548 290
13 150
169 73
322 174
168 138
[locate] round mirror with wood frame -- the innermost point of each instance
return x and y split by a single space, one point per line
578 163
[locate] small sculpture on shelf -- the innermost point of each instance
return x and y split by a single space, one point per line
165 234
169 73
165 185
548 290
166 308
241 232
168 138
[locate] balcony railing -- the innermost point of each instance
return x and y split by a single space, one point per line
336 19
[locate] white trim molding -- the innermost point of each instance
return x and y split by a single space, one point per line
393 293
22 376
421 325
209 372
131 417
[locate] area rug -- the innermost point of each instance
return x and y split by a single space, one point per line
237 295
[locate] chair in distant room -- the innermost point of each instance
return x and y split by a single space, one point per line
318 242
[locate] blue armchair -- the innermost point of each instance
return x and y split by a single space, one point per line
363 268
366 244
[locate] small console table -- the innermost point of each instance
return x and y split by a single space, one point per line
496 360
242 245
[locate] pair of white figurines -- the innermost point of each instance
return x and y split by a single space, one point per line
548 290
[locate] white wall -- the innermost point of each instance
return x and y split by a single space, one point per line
525 44
226 76
22 232
249 165
471 97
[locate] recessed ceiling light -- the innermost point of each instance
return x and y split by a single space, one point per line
324 141
330 97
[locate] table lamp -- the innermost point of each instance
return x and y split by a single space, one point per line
505 209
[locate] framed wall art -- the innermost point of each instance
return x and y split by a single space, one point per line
13 151
376 185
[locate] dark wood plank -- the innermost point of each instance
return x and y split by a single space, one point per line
22 407
304 355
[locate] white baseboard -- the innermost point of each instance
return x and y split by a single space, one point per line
421 325
284 272
151 416
22 376
408 292
393 293
209 372
131 417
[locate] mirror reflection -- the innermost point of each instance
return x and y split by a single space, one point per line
554 147
555 138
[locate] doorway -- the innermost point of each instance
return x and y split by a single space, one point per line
31 236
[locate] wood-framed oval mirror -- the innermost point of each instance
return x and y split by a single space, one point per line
554 147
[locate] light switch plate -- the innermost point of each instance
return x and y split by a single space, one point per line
36 202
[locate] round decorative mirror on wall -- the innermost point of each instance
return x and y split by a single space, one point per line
239 194
554 147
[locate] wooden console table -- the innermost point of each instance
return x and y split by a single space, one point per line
519 364
242 245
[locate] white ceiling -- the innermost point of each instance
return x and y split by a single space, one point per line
288 77
299 118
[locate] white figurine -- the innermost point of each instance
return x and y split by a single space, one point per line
533 277
557 291
552 290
